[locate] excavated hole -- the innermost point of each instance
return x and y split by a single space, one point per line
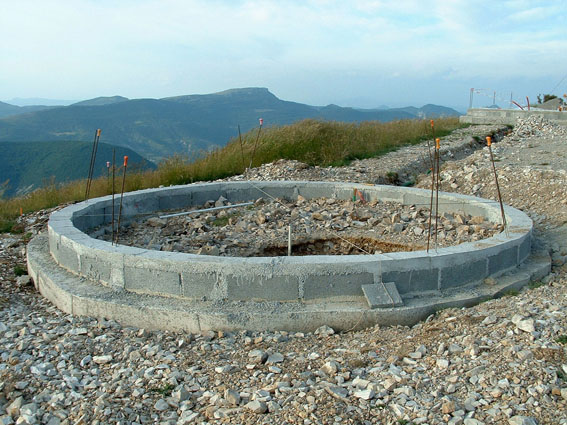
337 246
319 226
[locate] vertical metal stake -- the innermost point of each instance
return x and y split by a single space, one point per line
437 148
489 143
92 163
289 240
121 199
113 174
241 148
256 143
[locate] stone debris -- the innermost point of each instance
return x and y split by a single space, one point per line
503 361
320 226
537 126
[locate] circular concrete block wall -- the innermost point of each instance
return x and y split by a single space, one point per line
306 279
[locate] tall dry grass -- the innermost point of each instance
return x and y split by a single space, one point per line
311 141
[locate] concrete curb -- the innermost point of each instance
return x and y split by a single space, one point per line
286 279
510 116
80 296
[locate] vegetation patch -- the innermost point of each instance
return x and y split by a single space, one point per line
535 284
166 390
315 142
20 270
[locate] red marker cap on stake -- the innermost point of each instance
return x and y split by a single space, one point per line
431 122
437 143
125 161
488 140
98 132
261 121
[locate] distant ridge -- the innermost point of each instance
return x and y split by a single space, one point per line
158 128
101 101
29 165
7 109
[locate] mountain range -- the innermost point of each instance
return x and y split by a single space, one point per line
158 128
40 142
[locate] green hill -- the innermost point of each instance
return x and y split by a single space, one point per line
7 109
158 128
29 165
101 101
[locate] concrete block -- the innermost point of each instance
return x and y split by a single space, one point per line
137 204
504 260
258 287
412 198
94 268
388 195
66 256
198 286
381 295
286 192
174 201
88 217
152 281
337 285
201 193
472 209
462 274
525 248
412 281
245 194
312 190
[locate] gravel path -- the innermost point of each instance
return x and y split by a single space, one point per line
501 362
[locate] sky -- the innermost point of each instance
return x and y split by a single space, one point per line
361 53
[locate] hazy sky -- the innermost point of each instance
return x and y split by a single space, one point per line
353 53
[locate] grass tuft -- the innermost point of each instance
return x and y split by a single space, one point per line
510 293
20 270
535 284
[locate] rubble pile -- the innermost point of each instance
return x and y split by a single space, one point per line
538 126
257 229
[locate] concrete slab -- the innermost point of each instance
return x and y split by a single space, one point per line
380 295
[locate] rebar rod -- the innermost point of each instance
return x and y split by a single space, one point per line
121 199
241 148
113 179
256 143
92 163
489 143
90 167
223 207
437 149
433 171
428 145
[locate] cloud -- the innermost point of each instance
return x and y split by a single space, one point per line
74 48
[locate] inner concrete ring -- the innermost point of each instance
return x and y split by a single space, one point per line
361 282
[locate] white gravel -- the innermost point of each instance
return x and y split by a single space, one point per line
501 362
